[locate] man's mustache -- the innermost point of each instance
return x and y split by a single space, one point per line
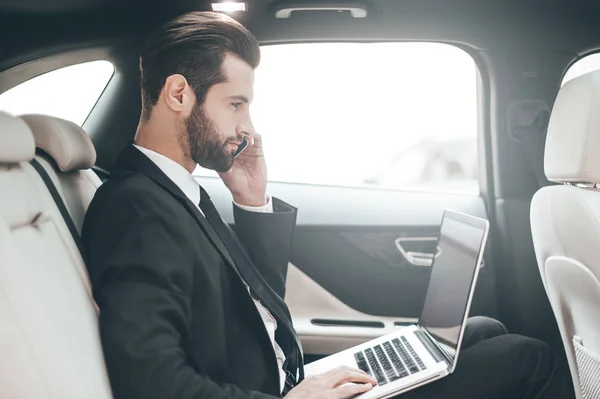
234 139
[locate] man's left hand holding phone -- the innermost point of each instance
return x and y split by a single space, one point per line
247 178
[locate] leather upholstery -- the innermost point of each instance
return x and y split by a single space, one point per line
49 341
16 141
565 219
66 142
68 153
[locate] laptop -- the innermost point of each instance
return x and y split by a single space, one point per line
419 354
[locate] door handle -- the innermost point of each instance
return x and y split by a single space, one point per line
421 259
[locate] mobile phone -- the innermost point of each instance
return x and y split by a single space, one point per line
241 147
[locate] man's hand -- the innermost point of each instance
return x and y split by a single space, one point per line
247 178
328 385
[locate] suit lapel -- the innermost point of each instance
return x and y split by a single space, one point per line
209 232
132 158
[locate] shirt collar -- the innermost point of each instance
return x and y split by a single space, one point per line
177 173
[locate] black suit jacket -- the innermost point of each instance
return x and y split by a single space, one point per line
176 320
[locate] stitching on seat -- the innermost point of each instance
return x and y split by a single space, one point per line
588 128
36 220
553 219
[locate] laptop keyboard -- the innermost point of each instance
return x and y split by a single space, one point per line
389 361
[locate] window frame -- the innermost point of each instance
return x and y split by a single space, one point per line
47 67
483 130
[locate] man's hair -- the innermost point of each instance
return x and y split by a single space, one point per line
193 45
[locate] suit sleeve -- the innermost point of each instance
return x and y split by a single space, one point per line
141 272
268 239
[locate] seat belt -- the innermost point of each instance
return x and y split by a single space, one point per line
527 124
103 174
61 206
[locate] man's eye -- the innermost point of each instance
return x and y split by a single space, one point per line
236 105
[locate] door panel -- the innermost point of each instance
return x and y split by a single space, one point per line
312 306
360 261
358 265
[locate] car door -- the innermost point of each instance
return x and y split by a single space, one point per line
371 163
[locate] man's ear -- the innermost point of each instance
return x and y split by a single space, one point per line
178 95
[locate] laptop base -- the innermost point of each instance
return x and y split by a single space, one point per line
418 366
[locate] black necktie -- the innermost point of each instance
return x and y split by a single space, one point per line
258 287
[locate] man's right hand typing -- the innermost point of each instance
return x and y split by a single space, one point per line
333 385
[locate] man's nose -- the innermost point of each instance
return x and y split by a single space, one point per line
246 129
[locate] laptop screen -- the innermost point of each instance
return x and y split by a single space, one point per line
460 241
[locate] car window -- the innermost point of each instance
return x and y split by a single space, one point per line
385 115
582 66
69 93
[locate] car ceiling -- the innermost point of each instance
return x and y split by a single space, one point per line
81 30
31 28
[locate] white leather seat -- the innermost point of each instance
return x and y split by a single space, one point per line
565 223
49 341
67 154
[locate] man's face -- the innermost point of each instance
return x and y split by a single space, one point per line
215 129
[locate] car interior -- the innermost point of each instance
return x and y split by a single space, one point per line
377 115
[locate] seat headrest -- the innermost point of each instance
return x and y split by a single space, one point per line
66 142
572 151
16 140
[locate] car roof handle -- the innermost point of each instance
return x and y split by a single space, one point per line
357 9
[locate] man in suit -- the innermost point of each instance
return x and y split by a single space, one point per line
191 309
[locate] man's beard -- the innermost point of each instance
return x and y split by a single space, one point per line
206 144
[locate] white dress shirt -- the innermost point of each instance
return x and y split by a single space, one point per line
186 183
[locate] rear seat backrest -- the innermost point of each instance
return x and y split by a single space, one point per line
67 155
49 340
